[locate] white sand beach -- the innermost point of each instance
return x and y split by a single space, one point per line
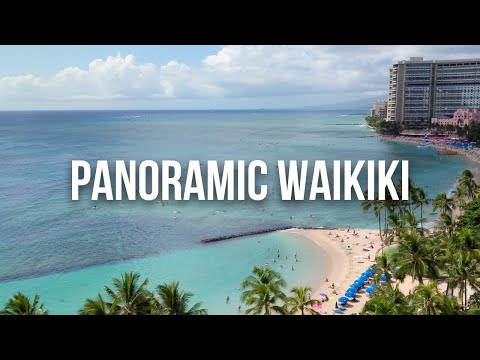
349 256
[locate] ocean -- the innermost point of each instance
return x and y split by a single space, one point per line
67 251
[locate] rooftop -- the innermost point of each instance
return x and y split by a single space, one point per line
419 59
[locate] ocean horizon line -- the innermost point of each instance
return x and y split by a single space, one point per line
359 109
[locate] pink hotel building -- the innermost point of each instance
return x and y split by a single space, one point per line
461 117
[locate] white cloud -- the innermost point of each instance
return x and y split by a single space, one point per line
233 73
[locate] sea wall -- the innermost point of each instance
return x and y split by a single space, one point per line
264 231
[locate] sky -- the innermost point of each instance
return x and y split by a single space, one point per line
202 77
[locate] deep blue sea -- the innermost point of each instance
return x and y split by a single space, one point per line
67 251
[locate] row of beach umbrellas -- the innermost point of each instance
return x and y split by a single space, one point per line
357 285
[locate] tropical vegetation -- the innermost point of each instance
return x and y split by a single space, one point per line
128 295
444 262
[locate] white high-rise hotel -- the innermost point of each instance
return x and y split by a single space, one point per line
422 89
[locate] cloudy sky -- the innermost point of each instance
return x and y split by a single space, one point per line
201 77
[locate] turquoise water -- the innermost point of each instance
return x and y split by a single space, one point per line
48 242
212 272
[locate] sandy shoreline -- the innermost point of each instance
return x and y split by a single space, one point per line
344 266
472 155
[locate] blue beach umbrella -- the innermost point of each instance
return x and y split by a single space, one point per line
343 299
384 277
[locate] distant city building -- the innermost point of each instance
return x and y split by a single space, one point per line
420 90
461 117
379 109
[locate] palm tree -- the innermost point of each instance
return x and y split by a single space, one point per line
20 304
468 184
263 291
173 301
428 300
377 206
459 196
387 300
129 295
448 260
413 258
469 241
412 193
98 306
383 266
411 221
465 271
447 223
443 203
299 301
420 200
402 205
394 220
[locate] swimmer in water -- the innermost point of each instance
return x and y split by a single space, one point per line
227 299
94 207
293 268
